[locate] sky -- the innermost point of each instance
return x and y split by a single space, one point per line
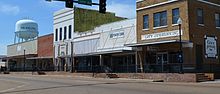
42 12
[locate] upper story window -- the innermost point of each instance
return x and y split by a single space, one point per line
70 31
200 17
145 22
217 19
56 34
175 15
160 19
61 34
65 32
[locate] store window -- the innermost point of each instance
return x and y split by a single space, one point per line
145 22
65 32
160 19
56 35
217 19
175 15
200 17
61 34
70 31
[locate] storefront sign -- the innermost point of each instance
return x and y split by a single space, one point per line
119 34
160 35
62 50
211 47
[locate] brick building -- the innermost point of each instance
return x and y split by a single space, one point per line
159 41
25 55
45 52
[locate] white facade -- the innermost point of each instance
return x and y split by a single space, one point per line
30 47
63 31
115 36
86 43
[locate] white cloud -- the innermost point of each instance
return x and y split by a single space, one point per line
123 10
9 9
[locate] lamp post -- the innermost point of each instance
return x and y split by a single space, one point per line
24 60
180 55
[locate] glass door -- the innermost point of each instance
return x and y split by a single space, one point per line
162 60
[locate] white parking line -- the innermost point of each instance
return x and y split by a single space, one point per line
10 89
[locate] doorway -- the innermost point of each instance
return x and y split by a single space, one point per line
162 60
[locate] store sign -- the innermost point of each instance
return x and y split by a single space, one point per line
119 34
62 50
160 35
211 47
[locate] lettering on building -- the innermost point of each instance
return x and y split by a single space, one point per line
211 47
119 34
160 35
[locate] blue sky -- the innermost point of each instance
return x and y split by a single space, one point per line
42 12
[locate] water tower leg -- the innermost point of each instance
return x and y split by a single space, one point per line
15 39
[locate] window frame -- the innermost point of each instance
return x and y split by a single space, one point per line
146 22
65 33
56 34
175 16
61 34
70 31
158 19
200 19
217 20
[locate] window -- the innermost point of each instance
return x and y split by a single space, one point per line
65 32
61 34
56 35
70 31
175 15
160 19
145 22
200 19
217 19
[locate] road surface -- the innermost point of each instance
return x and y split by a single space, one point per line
35 84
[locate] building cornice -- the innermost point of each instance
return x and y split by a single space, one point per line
210 3
158 4
137 1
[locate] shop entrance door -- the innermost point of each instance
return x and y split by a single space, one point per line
162 60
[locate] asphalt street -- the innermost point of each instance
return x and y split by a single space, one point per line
35 84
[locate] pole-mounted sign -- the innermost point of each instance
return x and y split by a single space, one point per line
69 3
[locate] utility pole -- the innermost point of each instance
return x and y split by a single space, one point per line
69 3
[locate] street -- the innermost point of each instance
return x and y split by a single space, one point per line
47 84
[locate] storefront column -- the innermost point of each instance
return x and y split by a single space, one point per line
136 61
141 62
100 60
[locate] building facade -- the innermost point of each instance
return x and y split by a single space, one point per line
63 35
158 35
113 50
26 56
45 53
69 27
18 53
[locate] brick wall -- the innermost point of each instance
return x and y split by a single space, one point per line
45 46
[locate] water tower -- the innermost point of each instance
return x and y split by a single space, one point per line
25 30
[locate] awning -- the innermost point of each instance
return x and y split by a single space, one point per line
155 42
48 57
104 52
21 56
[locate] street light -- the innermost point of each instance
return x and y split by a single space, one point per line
180 55
24 60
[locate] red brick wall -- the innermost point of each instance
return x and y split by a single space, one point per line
45 46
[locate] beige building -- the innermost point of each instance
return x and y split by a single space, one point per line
158 35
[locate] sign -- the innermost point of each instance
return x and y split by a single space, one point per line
119 34
62 50
211 47
161 35
85 2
